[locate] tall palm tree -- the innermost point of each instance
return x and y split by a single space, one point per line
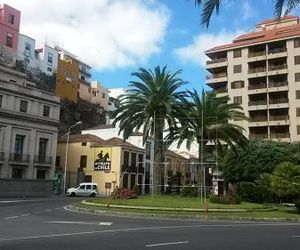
208 119
209 6
152 102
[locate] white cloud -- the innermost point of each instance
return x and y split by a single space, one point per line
104 33
194 52
116 92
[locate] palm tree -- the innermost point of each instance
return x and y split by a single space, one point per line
151 103
209 6
208 119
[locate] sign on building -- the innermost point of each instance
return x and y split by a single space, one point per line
102 159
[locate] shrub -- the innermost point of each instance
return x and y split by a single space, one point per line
297 204
229 198
123 193
189 192
249 191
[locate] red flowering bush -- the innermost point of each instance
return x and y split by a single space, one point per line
123 193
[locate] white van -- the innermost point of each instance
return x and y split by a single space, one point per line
84 189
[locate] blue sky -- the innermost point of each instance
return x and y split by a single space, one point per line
116 37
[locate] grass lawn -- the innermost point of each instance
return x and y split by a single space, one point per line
174 202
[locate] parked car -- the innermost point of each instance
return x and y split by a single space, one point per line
84 189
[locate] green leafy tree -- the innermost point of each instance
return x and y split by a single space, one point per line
151 103
248 163
285 180
209 6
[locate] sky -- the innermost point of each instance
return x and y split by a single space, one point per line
117 37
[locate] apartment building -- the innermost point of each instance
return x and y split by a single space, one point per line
29 120
261 72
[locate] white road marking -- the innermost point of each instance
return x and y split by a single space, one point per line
81 223
167 244
14 201
295 236
139 229
22 215
12 217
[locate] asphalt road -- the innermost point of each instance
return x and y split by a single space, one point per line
45 224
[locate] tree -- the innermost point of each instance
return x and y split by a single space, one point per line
151 103
259 157
285 180
209 6
207 118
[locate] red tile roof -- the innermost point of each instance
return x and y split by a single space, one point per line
115 141
271 20
82 138
260 37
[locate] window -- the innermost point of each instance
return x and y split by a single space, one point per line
88 187
298 112
298 130
11 19
297 59
297 43
57 161
23 106
237 85
95 187
133 159
103 95
50 59
237 68
297 77
297 94
42 149
83 161
19 142
41 174
49 69
140 159
237 53
126 158
148 150
82 187
237 99
17 173
27 49
46 111
9 40
83 144
1 98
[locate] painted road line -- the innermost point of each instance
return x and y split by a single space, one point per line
167 244
81 223
295 236
22 215
12 217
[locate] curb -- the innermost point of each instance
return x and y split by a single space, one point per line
73 208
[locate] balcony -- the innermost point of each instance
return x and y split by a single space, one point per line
218 62
257 72
19 158
220 77
277 52
278 100
85 72
279 120
278 86
257 105
257 88
258 121
256 56
258 136
280 137
277 69
42 160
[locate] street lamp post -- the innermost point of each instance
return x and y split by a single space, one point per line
66 156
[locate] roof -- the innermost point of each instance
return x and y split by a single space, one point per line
272 20
170 153
115 141
82 138
102 126
260 37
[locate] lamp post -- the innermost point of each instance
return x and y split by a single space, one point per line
66 156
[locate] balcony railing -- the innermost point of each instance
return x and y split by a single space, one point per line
258 119
1 156
277 50
221 90
279 135
257 86
277 67
258 136
218 60
19 157
216 76
256 70
279 118
277 84
259 102
43 159
278 100
257 53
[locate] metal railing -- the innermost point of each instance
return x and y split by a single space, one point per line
279 135
277 50
257 86
221 90
216 76
277 67
259 102
278 100
279 118
19 157
218 60
277 84
258 136
259 119
257 53
43 159
256 70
